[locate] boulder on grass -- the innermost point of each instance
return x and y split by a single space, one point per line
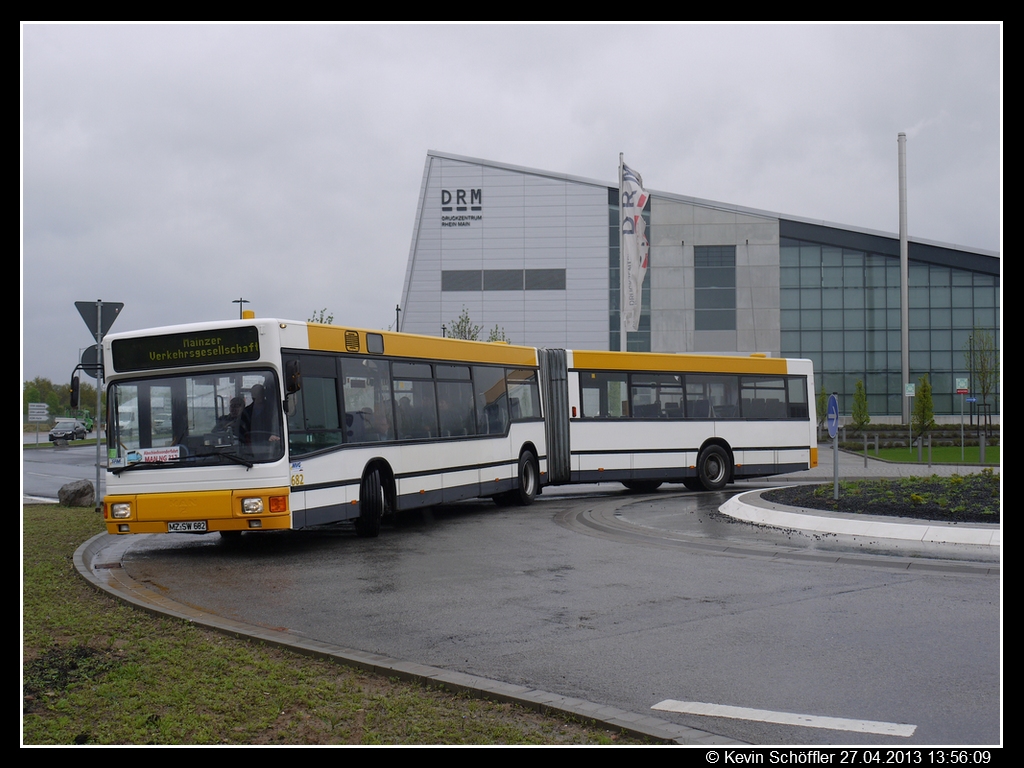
77 494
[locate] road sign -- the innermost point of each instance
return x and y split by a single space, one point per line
972 400
962 387
833 415
908 390
108 314
38 412
91 361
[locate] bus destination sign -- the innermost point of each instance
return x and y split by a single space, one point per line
178 350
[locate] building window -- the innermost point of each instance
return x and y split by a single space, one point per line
714 280
502 280
461 280
545 279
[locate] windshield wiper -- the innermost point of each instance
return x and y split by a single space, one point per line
140 464
183 461
233 457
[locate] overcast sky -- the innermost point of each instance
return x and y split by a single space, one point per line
175 168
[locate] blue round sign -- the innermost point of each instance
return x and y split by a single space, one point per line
833 416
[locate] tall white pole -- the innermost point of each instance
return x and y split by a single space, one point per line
622 269
98 421
901 141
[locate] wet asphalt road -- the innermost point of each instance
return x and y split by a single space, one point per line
627 601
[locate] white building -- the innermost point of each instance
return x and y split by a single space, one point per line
536 253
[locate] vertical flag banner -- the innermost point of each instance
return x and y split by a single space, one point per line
633 247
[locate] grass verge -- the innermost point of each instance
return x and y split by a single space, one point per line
941 454
96 671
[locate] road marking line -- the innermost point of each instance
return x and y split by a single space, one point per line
785 718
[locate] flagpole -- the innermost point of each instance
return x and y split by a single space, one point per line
622 269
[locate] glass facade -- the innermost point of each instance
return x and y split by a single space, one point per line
840 307
640 340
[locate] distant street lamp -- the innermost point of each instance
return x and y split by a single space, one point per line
240 302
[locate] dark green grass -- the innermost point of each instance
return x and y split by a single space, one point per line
944 454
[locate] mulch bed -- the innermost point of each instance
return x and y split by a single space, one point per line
956 499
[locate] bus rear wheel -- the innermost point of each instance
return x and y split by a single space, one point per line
529 480
371 505
713 468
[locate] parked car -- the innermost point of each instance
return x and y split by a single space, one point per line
68 429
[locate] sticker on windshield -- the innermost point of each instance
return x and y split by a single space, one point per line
154 455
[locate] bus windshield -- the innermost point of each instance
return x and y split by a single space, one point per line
208 418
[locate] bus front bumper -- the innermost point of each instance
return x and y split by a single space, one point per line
252 509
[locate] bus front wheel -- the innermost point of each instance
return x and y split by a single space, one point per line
529 480
371 506
713 468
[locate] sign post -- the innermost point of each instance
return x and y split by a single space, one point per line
98 318
908 391
972 401
961 389
38 412
833 432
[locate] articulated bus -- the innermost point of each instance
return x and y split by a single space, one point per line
265 424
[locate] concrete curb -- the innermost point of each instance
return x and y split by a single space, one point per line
754 509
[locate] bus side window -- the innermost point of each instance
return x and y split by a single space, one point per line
319 412
367 394
604 395
491 400
314 420
797 389
523 394
455 408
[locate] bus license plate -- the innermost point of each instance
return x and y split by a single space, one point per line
196 526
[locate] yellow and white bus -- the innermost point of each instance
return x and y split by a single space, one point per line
273 424
265 424
704 421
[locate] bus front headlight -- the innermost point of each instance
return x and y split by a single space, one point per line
252 506
121 510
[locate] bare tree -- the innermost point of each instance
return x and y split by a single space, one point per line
981 356
498 334
464 328
321 317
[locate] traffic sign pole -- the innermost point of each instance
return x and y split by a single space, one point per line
833 432
909 390
961 389
38 412
98 324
